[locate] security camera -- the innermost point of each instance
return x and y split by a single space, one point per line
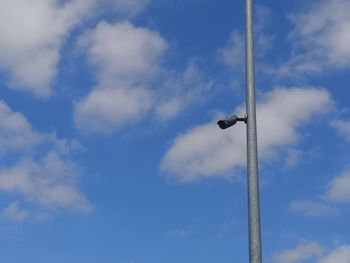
230 121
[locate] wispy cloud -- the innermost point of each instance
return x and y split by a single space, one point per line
343 128
16 133
14 212
313 250
339 189
293 157
312 209
180 232
319 39
233 53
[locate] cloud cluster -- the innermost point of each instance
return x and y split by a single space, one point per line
48 179
131 81
126 59
320 38
207 151
33 33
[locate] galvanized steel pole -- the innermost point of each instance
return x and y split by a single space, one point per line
252 149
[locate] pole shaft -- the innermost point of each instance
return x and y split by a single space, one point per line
255 254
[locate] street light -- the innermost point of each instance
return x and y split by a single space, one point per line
255 254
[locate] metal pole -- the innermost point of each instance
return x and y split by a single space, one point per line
252 151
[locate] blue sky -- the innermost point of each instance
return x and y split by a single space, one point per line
108 138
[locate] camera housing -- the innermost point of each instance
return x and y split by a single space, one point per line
230 121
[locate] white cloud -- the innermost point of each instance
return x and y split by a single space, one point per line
343 128
16 133
207 151
14 212
44 173
32 33
321 35
339 189
123 53
339 255
298 254
312 209
126 59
